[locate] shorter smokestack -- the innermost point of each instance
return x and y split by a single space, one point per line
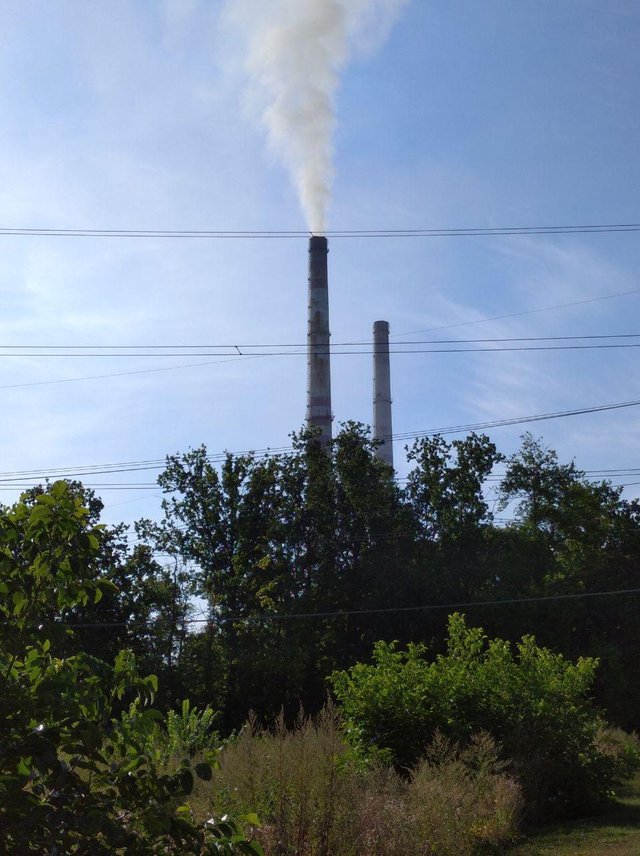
318 362
382 429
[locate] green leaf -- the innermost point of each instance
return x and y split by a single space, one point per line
186 781
19 599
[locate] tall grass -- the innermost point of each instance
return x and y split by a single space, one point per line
314 800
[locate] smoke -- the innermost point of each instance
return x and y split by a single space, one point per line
297 50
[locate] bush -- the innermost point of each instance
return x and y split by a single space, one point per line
533 702
622 749
461 799
314 801
71 782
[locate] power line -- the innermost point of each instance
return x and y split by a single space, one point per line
518 314
519 420
122 374
254 345
331 350
294 616
159 463
497 231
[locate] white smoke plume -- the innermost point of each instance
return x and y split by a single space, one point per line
296 52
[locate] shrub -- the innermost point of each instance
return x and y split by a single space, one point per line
534 703
69 781
191 730
461 799
622 749
314 801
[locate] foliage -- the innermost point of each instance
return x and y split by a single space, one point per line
533 701
296 533
191 730
181 734
314 801
69 782
333 534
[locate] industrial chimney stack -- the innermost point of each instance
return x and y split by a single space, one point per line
318 363
382 429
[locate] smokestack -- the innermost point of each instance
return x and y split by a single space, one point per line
318 364
382 391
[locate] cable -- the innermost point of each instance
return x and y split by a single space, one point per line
323 350
159 463
492 231
455 429
171 348
121 374
287 616
518 314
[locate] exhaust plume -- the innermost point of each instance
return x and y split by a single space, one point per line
297 50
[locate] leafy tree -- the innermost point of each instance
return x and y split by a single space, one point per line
69 782
573 536
270 538
445 490
146 610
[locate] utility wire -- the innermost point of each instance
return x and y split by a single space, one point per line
324 350
253 345
289 616
518 314
478 426
497 231
159 463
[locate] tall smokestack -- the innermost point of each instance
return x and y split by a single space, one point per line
318 364
382 429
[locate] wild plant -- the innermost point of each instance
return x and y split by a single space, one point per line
313 800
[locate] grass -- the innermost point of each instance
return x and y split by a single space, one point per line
617 830
315 799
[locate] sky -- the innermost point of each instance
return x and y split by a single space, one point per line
131 115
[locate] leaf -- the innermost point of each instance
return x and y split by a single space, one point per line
19 599
251 818
152 713
186 781
204 771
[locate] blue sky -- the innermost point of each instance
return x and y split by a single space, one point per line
137 115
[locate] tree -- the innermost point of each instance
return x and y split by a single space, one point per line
445 490
69 781
307 533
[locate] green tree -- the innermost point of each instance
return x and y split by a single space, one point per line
69 782
446 492
272 538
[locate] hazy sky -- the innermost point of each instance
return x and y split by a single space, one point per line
138 115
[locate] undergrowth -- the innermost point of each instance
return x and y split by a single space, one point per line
315 799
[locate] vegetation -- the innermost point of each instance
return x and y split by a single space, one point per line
69 780
337 537
308 562
614 830
315 800
535 703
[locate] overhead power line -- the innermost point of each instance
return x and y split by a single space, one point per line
159 463
518 420
465 231
254 345
340 613
328 350
520 313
